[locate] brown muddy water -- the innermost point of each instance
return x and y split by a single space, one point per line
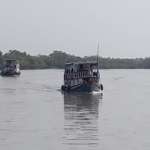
35 115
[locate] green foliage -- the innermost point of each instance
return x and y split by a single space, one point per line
57 59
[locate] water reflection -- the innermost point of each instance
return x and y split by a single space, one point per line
81 114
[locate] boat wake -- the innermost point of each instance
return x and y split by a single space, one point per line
96 92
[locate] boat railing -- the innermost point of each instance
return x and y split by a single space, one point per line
78 75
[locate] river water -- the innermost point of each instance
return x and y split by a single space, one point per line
35 115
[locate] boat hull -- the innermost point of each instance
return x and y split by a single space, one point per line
82 88
10 73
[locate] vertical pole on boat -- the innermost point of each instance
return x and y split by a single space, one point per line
98 57
98 47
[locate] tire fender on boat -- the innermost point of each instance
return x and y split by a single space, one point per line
101 87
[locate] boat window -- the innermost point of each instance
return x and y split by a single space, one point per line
72 70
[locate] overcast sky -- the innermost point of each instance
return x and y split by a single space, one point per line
75 26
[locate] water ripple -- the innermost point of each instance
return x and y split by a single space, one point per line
81 120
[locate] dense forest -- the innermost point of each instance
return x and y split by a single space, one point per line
57 59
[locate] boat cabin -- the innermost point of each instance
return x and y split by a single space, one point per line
81 70
75 73
11 64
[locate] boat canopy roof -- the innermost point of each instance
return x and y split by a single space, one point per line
82 63
10 61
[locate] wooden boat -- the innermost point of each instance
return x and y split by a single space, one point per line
10 68
82 77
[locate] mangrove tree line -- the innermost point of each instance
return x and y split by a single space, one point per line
57 59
